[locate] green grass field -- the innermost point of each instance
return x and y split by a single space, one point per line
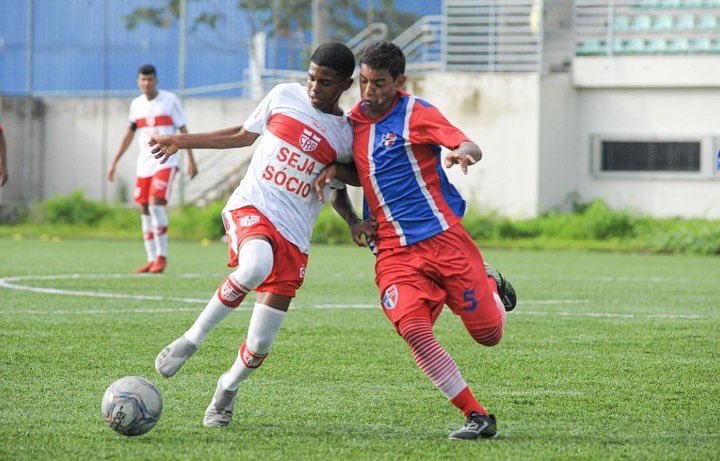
608 356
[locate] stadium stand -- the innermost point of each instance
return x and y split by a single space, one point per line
657 27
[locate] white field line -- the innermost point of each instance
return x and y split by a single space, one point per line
9 283
602 278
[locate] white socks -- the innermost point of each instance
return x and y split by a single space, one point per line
148 237
255 264
209 318
263 328
159 219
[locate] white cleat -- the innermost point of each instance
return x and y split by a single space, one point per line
219 412
172 357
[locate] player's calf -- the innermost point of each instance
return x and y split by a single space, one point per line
487 336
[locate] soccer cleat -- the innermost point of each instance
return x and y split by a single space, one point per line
158 265
476 426
219 412
144 268
172 357
505 288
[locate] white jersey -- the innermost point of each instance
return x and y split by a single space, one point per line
298 141
161 115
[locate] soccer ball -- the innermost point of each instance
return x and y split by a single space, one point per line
131 405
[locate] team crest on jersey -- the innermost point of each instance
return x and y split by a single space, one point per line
388 139
250 220
309 140
390 297
150 120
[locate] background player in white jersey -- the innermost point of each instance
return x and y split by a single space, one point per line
269 217
153 112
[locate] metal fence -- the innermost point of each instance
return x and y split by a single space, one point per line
493 36
84 47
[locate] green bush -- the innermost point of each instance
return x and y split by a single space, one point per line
591 225
331 228
73 209
600 222
481 227
191 222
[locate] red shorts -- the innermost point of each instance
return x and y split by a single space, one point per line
444 269
288 272
158 185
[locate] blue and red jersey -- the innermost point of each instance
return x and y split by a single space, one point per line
397 156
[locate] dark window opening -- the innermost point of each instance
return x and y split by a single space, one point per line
650 156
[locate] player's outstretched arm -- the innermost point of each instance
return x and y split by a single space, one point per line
192 169
468 153
3 160
343 172
165 146
124 144
361 231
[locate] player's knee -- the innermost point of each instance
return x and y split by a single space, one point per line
487 336
259 344
255 262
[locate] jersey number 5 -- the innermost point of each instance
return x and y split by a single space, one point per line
469 296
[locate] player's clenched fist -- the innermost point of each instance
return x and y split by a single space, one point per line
163 147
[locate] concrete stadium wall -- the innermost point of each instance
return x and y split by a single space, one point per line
669 114
559 162
74 141
536 133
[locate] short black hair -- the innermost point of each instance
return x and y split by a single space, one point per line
337 56
147 69
384 56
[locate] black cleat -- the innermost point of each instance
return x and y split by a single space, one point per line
477 426
505 288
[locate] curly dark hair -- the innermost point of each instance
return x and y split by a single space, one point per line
337 56
384 56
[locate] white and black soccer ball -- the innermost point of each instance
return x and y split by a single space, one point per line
132 405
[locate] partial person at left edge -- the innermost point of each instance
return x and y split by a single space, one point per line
152 113
3 158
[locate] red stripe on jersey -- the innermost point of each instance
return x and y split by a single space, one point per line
158 120
301 136
385 231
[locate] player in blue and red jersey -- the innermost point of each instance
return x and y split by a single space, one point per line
425 258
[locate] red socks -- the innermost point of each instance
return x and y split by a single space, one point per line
465 401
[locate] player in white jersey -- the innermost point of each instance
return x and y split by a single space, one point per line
152 113
269 217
